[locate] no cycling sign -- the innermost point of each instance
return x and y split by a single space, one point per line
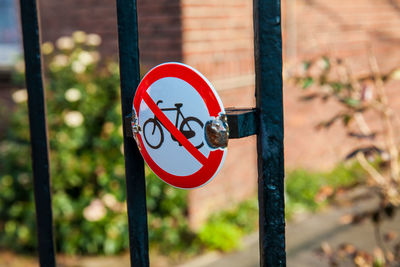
173 106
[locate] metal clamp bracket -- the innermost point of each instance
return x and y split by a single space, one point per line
242 122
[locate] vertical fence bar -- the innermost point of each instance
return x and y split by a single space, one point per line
268 65
38 131
134 165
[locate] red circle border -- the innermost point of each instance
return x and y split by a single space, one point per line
197 81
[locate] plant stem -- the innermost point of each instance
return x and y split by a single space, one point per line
386 114
362 124
376 176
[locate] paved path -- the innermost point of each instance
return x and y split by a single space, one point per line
303 238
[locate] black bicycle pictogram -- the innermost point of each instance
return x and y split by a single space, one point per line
186 127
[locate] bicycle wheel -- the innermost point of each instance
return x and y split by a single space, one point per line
189 127
153 128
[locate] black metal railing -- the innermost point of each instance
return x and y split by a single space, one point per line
38 131
134 166
265 120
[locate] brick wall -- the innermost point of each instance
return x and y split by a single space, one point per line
345 29
59 18
218 41
216 38
159 26
160 33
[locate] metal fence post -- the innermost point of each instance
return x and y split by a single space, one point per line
268 65
38 131
134 165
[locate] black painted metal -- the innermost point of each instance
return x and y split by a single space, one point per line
38 131
134 165
242 122
128 125
268 65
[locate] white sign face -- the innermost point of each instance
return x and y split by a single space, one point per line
173 103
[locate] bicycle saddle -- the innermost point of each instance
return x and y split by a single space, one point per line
178 105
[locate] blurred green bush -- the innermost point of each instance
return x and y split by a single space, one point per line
224 230
86 160
307 191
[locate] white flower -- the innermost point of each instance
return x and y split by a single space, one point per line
109 200
113 204
60 61
72 95
93 39
85 58
78 67
95 211
73 118
65 43
79 37
20 96
47 48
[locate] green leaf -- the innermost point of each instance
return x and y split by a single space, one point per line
307 82
306 65
327 63
351 102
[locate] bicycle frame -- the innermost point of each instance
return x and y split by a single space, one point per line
178 113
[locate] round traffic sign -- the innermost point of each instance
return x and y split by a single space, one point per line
172 105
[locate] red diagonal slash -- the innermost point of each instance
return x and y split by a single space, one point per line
173 130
